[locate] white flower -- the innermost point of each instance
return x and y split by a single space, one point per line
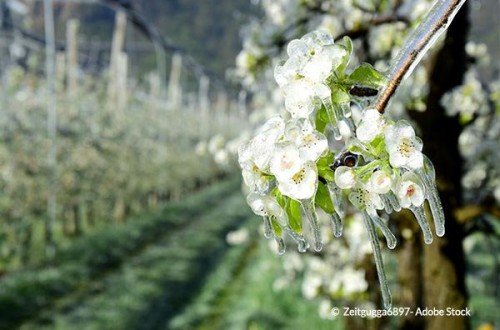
237 237
353 280
410 190
285 161
380 182
364 199
216 143
302 184
259 150
300 99
311 285
345 177
267 206
405 149
255 180
303 76
311 143
371 125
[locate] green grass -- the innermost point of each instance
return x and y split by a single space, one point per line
240 295
24 293
154 284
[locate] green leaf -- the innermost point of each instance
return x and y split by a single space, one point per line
321 119
347 44
292 209
340 96
324 169
323 198
294 215
366 75
276 227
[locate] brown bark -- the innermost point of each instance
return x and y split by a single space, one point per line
409 269
444 262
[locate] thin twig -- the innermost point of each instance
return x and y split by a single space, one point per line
417 44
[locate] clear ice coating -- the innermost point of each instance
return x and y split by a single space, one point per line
336 224
389 236
302 244
422 222
268 230
312 218
339 164
379 263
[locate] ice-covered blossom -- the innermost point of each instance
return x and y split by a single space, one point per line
371 125
380 182
405 149
303 77
267 206
326 157
410 190
345 177
302 184
364 199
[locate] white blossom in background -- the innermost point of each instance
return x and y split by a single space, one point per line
467 99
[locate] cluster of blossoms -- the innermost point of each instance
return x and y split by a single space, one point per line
323 158
477 106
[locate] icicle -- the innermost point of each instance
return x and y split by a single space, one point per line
377 254
312 218
336 197
302 244
336 224
346 110
394 201
389 236
281 245
387 204
436 210
268 230
334 116
428 178
422 221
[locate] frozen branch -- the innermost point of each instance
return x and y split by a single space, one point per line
421 39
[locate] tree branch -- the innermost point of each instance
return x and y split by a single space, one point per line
435 22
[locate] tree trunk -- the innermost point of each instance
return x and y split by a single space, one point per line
444 262
410 269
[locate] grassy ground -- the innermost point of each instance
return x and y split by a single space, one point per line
174 270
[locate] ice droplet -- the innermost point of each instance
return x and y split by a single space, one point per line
336 224
302 244
268 230
281 245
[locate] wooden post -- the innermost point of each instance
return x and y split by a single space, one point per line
121 79
203 104
174 96
116 49
221 108
72 56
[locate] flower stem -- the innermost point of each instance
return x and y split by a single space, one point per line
420 40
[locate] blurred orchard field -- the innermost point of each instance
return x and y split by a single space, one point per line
122 204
